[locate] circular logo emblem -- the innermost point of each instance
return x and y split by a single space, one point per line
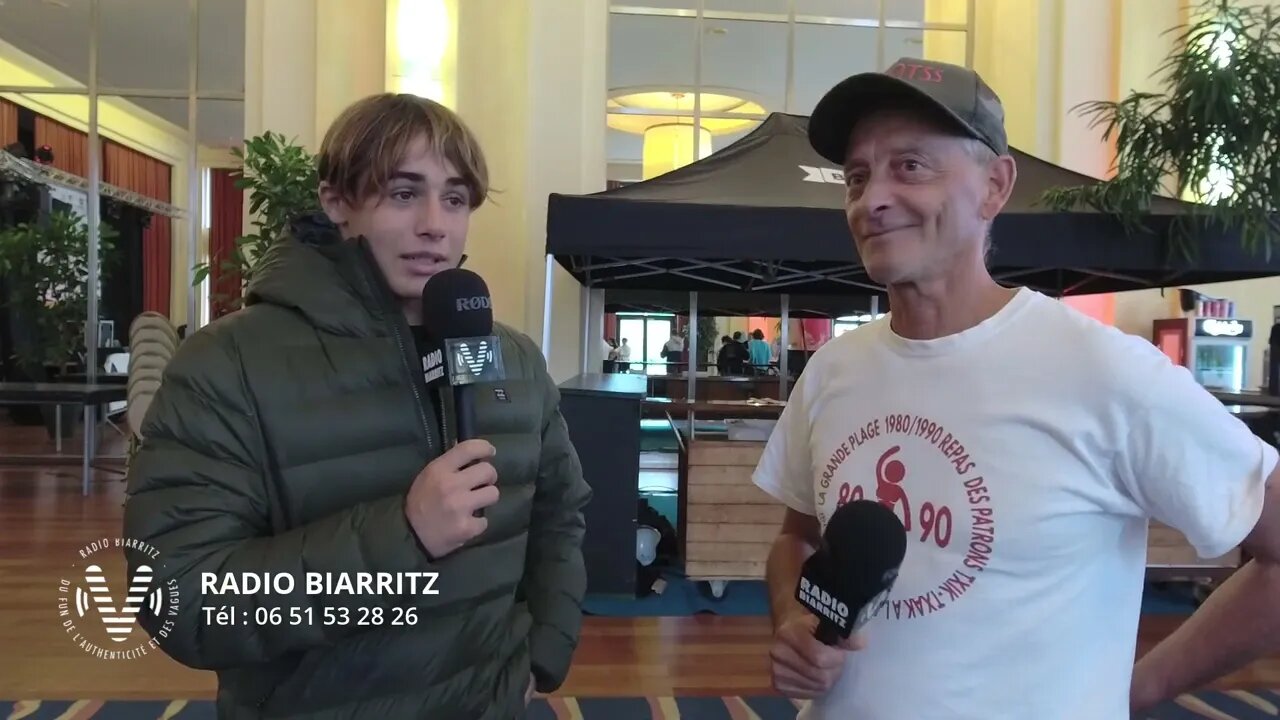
99 600
926 475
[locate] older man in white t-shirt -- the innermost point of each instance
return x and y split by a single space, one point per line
1024 446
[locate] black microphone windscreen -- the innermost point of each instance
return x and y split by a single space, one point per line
456 304
849 577
865 541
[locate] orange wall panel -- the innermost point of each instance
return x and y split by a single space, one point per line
1101 307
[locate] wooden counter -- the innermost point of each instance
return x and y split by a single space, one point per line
1169 555
716 387
728 525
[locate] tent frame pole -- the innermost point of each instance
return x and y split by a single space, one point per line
93 229
548 289
586 328
784 343
691 352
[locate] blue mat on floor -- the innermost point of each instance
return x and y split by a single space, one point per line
750 597
1236 705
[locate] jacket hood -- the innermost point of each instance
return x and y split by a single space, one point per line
317 273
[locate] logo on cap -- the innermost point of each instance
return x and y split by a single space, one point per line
916 72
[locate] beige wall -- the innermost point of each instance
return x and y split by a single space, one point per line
1014 51
531 83
305 60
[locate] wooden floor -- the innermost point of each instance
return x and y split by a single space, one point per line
44 522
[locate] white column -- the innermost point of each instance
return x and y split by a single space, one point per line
305 60
531 84
1088 71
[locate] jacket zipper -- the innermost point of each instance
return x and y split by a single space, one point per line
406 359
415 377
444 416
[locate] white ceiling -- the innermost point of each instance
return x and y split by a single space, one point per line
143 44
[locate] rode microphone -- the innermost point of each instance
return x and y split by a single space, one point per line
458 314
847 581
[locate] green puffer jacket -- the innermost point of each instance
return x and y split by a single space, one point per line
283 440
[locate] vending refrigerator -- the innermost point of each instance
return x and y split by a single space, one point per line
1215 350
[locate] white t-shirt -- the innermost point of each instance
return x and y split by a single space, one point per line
1025 456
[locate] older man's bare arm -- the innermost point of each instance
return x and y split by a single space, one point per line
1238 623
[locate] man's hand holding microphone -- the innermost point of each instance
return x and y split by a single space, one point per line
838 589
442 502
444 506
802 666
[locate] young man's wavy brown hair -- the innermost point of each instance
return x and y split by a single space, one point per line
370 138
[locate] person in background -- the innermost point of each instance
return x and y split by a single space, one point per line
609 349
673 352
722 359
304 436
733 357
760 352
624 357
1035 443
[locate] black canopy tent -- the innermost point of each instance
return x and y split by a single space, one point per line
762 220
765 214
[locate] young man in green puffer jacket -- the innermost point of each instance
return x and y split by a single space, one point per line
298 440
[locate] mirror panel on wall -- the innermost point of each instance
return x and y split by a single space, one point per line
221 55
145 53
143 44
55 36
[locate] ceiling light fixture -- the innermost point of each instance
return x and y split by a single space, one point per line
665 117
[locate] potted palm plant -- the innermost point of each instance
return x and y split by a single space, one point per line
1207 136
281 179
46 269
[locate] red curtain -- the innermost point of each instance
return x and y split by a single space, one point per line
131 170
70 147
610 326
225 224
8 123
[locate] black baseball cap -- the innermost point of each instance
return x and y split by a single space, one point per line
954 93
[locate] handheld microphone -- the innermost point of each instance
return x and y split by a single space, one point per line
847 581
458 314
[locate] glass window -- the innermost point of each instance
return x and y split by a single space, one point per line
750 58
744 65
942 45
868 10
687 6
221 66
143 130
649 50
54 36
150 54
827 54
755 7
